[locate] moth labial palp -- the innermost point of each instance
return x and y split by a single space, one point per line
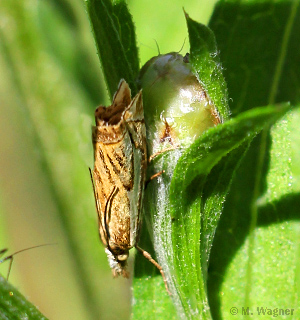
119 176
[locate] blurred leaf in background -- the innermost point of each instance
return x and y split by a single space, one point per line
50 85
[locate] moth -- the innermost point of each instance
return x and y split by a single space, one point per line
119 174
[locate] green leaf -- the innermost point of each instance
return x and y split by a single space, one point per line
255 252
204 57
258 250
58 23
115 39
190 216
258 43
187 214
14 306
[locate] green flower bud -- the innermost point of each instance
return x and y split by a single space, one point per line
176 106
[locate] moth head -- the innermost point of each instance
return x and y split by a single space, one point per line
118 263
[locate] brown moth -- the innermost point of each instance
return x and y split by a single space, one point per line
119 174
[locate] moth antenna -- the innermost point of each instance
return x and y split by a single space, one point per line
182 45
157 46
11 256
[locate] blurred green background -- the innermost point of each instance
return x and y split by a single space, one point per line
50 84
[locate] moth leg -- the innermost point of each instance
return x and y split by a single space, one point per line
158 153
154 176
148 256
159 173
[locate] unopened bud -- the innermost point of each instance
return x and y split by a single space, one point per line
175 103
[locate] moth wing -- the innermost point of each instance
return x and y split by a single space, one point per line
101 220
123 94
